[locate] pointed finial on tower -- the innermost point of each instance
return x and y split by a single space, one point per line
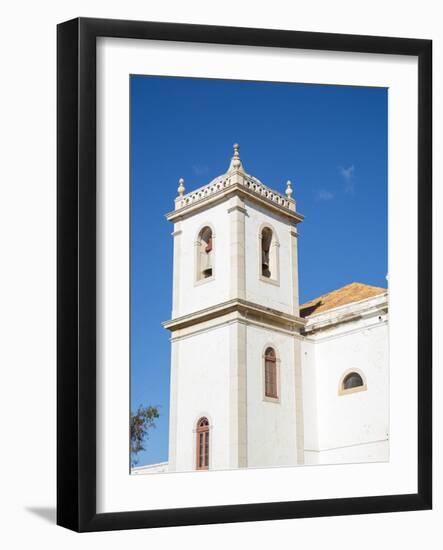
289 189
181 187
236 163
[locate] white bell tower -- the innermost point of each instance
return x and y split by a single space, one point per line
236 395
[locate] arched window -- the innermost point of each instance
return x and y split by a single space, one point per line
268 255
266 240
203 444
205 254
352 382
271 374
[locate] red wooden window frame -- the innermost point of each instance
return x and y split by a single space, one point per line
271 373
202 457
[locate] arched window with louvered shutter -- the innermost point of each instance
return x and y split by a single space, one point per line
271 373
202 433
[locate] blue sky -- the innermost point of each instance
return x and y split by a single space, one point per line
331 141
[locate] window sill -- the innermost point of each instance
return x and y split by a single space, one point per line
352 390
270 281
199 282
268 399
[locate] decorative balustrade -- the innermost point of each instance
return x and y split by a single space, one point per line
224 182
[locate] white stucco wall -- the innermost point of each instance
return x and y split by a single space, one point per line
310 401
262 292
272 431
333 422
202 389
367 452
193 295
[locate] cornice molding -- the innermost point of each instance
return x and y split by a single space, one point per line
363 309
245 308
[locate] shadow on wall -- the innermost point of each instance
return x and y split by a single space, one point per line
46 513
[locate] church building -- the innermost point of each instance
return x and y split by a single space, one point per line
258 380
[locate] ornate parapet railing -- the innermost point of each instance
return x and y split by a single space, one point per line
227 180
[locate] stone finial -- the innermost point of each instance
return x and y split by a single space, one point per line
236 163
181 187
289 189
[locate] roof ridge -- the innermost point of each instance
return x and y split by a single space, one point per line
342 287
347 294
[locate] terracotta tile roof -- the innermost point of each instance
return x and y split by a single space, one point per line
353 292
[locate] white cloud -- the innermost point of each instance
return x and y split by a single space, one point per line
324 195
200 169
348 176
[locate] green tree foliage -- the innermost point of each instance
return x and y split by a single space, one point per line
141 422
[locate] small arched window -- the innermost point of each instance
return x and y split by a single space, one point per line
352 382
269 255
205 254
203 444
266 240
271 374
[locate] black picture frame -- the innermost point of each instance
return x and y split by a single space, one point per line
76 279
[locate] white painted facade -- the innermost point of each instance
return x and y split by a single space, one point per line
223 322
284 295
350 427
274 427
